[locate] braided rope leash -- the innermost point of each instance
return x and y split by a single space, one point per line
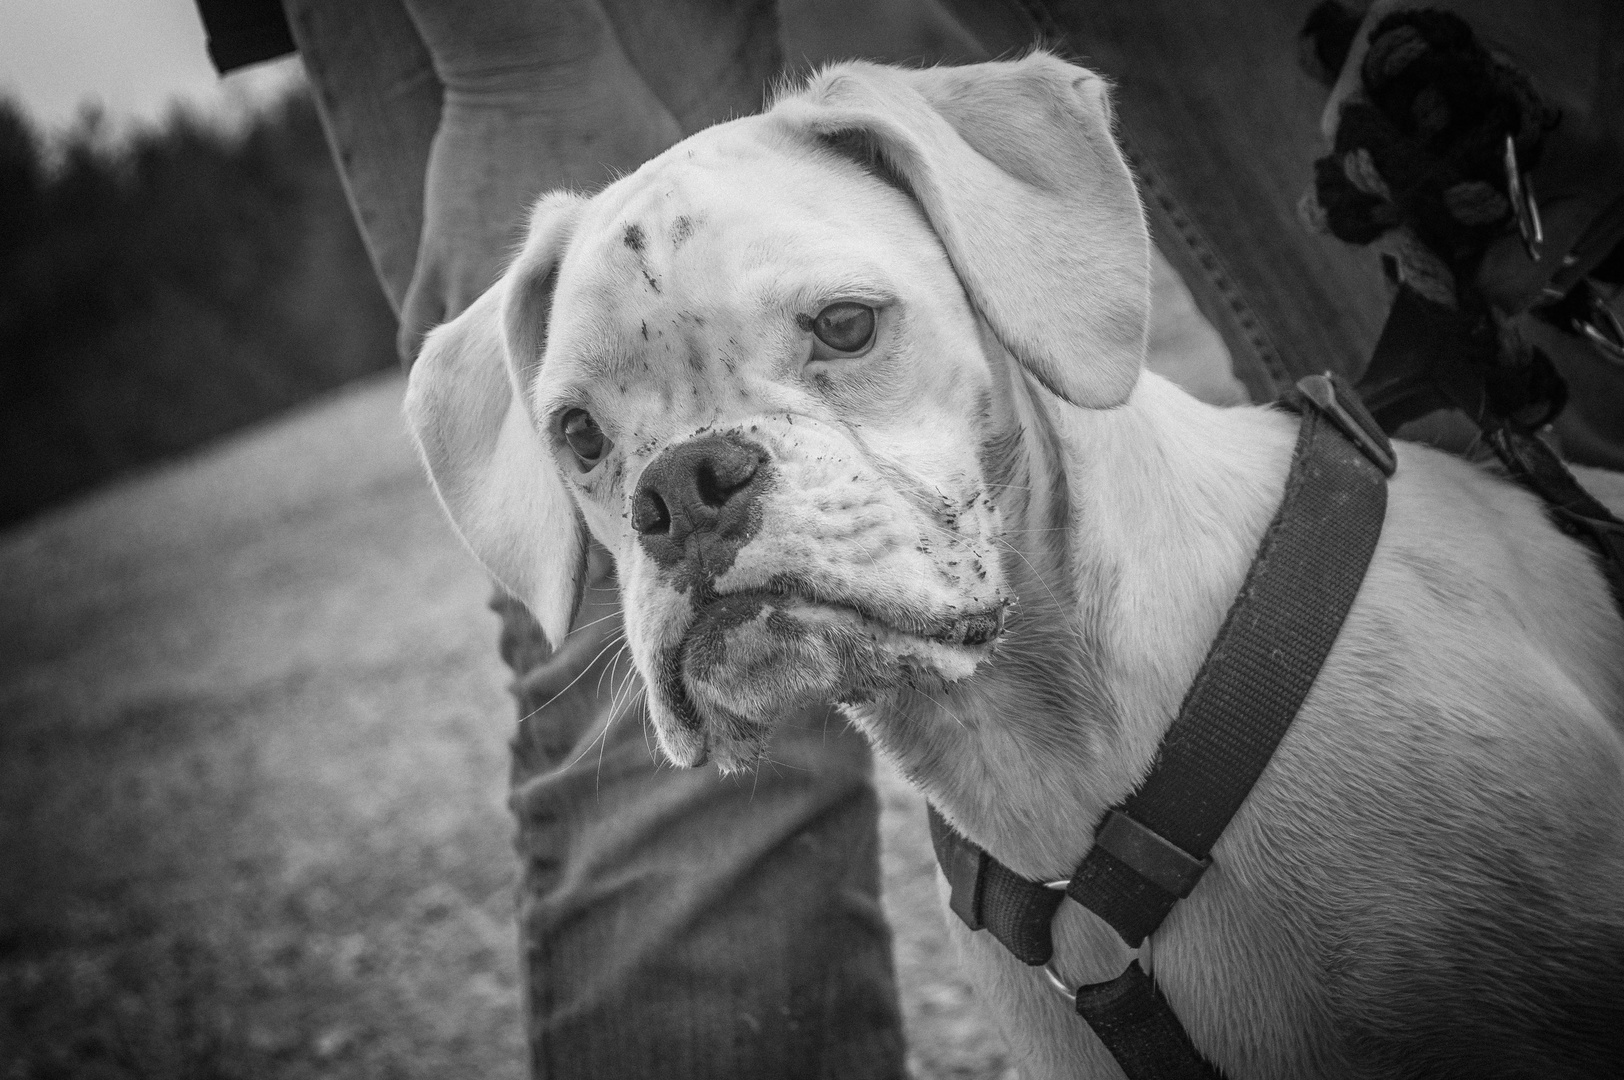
1430 166
1422 150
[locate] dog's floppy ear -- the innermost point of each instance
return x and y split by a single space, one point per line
466 404
1016 169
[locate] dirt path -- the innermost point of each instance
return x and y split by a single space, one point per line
252 768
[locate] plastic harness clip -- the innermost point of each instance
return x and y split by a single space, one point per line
1150 855
1348 413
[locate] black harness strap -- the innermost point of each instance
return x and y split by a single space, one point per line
1136 1025
1576 512
987 895
1278 632
1149 852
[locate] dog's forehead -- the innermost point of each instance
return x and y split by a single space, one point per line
737 220
739 177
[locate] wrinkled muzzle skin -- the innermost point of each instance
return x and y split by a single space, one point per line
861 549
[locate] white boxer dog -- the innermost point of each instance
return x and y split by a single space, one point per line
853 392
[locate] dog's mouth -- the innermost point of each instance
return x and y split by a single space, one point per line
752 657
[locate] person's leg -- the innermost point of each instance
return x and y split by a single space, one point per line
677 924
379 101
707 60
673 923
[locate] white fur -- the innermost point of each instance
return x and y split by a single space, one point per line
492 474
1433 858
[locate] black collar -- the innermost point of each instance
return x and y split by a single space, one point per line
1151 850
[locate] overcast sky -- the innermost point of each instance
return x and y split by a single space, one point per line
134 57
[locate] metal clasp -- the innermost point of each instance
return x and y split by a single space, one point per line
1058 983
1351 418
1070 992
1055 980
1601 326
1520 190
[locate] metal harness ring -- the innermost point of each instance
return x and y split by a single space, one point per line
1048 967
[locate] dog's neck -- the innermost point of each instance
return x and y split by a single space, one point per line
1162 503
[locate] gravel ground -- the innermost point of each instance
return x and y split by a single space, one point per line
252 771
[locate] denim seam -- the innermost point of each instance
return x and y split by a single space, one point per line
1217 274
1246 319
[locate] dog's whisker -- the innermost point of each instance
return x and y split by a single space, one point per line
1035 573
1032 532
616 639
626 695
943 706
599 739
629 678
624 650
594 622
615 711
865 549
608 669
659 759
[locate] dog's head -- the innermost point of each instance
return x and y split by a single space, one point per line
769 372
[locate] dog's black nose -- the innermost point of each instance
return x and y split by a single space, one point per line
696 501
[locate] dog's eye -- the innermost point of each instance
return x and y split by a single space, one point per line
846 328
584 436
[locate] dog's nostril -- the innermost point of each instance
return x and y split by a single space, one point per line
717 480
701 487
650 515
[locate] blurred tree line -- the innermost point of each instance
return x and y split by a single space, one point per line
163 289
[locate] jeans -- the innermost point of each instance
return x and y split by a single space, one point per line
677 924
672 923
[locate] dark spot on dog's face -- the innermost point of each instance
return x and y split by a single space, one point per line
706 648
681 230
670 679
634 237
648 277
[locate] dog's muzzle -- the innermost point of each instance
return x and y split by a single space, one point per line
750 635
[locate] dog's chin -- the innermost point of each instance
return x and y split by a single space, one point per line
752 658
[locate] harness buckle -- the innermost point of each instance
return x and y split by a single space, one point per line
1603 329
1150 855
1520 193
1351 417
1067 992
